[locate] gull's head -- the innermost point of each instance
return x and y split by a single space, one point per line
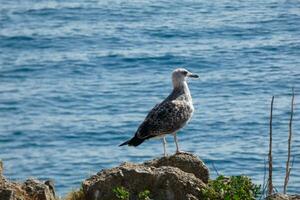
180 75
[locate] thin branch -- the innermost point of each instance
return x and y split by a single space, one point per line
288 168
265 172
265 183
275 189
216 170
270 186
264 191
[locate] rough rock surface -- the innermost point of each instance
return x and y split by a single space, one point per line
177 177
186 162
294 197
29 190
1 168
38 190
279 196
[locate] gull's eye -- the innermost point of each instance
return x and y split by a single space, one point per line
185 73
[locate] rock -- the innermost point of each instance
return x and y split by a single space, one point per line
50 184
29 190
295 197
12 191
178 177
186 162
38 190
2 179
1 168
279 196
7 194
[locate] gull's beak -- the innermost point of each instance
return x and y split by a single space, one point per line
191 75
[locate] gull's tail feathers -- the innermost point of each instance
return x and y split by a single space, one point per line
135 141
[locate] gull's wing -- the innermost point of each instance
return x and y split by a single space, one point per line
165 118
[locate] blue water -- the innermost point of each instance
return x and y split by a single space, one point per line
78 77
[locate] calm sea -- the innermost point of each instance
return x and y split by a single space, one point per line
78 77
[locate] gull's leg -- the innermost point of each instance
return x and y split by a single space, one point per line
176 142
165 144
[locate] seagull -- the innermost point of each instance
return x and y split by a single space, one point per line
169 116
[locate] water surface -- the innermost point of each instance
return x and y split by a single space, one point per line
78 77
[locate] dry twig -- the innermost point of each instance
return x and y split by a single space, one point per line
270 186
265 183
216 170
288 168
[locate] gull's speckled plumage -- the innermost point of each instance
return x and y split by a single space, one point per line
167 117
170 115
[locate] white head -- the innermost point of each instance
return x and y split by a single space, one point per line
180 75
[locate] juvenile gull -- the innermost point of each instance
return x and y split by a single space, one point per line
169 116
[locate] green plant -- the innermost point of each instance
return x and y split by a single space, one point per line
144 195
121 193
231 188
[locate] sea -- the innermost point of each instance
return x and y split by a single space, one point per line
78 77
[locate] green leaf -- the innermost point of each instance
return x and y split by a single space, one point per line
121 193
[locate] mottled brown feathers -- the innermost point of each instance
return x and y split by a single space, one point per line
165 118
